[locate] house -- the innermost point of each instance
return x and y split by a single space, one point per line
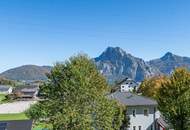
16 125
142 111
128 85
5 89
25 92
161 124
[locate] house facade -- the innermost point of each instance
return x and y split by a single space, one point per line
128 85
142 111
26 92
142 117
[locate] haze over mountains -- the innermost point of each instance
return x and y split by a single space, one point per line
114 63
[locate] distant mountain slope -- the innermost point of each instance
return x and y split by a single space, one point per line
27 72
169 62
115 63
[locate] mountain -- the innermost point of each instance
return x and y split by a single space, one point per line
169 62
27 72
115 64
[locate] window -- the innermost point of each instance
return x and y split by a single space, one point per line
146 112
134 112
151 127
140 127
134 127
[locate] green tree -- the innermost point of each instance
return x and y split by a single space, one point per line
150 87
174 99
75 98
125 121
4 81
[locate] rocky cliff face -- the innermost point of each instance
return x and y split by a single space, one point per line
169 62
115 63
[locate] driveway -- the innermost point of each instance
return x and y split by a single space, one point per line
15 107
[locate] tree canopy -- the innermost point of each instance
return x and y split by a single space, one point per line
174 99
75 98
150 87
4 81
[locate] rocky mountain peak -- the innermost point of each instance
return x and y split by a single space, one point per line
114 63
168 56
169 62
113 52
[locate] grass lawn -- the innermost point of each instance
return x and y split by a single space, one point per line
19 116
2 97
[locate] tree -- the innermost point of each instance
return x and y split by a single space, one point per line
75 98
125 121
5 81
174 99
150 87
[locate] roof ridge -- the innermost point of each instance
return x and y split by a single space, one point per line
144 97
132 99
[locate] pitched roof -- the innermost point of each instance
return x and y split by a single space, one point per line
28 88
4 87
125 80
130 99
16 125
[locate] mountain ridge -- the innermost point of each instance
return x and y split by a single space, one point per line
167 63
27 72
114 63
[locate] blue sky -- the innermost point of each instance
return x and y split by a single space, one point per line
42 32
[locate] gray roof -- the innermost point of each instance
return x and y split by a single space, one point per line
130 99
16 125
127 80
4 87
29 88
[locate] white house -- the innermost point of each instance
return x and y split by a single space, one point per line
142 111
4 89
128 85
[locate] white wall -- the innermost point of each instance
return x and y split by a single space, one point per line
126 88
10 90
140 119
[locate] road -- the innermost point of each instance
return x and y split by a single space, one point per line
15 107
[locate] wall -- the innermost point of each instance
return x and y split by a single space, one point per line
140 120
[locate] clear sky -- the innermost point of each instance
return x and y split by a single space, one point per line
42 32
